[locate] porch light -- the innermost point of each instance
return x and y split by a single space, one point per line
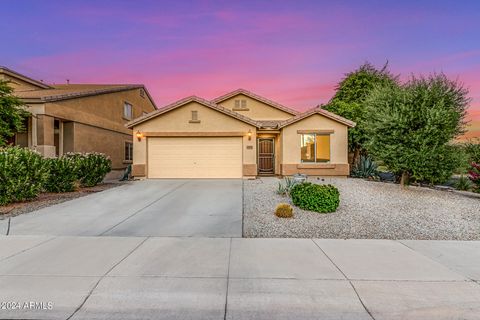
139 135
249 134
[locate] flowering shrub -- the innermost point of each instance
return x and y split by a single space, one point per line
91 168
22 174
62 174
474 175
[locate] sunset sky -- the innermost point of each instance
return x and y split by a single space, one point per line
293 52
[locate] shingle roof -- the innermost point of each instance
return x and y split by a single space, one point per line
15 74
317 110
186 100
252 95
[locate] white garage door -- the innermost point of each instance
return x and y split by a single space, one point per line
195 157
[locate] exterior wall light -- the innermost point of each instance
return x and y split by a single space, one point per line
249 134
139 135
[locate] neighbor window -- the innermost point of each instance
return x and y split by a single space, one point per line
237 103
128 151
244 103
315 147
240 104
127 111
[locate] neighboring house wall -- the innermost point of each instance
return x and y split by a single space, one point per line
178 122
18 84
255 109
291 144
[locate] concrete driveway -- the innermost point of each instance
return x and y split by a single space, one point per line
208 208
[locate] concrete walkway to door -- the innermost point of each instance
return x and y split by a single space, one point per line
204 208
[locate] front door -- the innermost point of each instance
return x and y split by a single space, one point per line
266 156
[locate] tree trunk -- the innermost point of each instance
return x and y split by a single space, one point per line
404 179
356 156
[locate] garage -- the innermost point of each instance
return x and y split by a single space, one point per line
194 157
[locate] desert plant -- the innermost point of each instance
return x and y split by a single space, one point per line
474 176
22 174
62 174
314 197
284 210
365 168
285 187
91 168
463 183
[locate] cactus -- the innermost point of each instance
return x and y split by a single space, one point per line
284 210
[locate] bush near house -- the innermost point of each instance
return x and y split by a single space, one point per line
91 168
474 176
314 197
62 174
23 173
365 168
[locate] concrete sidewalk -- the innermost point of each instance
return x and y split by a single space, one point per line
217 278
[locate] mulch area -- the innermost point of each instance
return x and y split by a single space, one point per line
48 199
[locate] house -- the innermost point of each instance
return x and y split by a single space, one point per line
239 134
79 117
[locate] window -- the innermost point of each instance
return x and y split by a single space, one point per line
128 151
194 115
244 103
127 111
315 147
240 104
237 104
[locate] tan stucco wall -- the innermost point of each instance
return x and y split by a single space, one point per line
96 122
338 146
104 110
256 110
90 139
178 121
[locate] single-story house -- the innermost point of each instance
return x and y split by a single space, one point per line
239 134
79 117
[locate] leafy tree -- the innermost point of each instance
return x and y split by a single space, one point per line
349 100
12 114
409 127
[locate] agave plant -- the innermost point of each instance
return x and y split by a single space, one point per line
285 187
365 168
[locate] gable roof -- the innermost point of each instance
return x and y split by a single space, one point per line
317 110
189 99
252 95
72 91
24 78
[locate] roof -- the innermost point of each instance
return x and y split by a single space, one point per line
189 99
58 92
22 77
71 91
252 95
317 110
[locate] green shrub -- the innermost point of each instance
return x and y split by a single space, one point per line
472 149
22 174
463 183
365 168
314 197
91 168
284 210
63 174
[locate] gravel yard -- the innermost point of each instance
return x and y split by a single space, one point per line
367 209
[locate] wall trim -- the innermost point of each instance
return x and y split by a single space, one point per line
194 134
316 131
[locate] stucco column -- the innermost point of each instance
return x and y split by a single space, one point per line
45 136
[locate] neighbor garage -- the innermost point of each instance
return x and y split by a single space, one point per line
194 157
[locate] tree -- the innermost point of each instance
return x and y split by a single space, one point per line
12 113
409 127
349 100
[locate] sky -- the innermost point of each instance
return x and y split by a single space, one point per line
293 52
